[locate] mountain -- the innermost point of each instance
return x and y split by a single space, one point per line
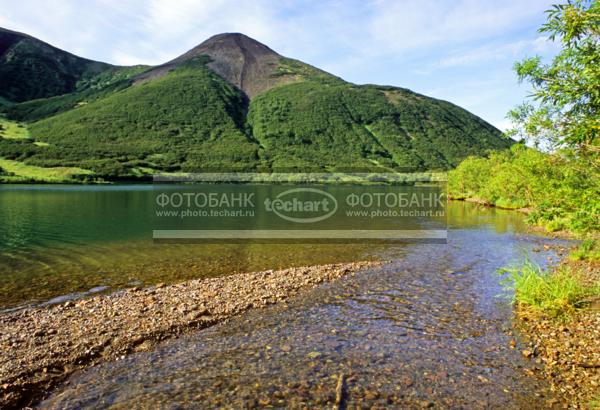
233 103
30 68
242 61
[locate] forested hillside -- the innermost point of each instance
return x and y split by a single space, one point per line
233 103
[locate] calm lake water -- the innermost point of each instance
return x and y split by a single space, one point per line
68 240
64 241
428 329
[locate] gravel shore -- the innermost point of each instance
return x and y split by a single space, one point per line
40 347
569 349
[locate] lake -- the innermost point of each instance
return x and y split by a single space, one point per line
63 241
433 327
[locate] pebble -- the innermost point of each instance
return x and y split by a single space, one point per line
116 324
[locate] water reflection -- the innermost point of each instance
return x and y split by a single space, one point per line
56 240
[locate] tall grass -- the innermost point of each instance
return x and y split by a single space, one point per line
14 171
588 250
556 293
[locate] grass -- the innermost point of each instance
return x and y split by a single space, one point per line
19 172
595 403
13 130
556 293
588 250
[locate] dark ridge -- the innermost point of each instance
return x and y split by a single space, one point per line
32 69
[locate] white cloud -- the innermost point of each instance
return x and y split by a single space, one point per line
496 52
309 29
407 25
502 125
377 41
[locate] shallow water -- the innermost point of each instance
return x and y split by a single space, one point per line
430 329
63 241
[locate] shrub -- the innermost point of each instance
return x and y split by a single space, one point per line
559 188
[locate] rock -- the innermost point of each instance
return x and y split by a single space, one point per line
527 353
405 381
314 355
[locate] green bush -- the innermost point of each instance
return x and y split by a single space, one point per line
560 190
329 123
188 120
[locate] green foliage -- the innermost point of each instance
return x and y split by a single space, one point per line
329 124
191 120
188 120
560 190
32 69
110 77
298 70
100 86
588 250
556 293
565 105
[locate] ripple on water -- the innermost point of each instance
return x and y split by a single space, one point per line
412 334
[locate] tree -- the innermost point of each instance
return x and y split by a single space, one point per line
564 107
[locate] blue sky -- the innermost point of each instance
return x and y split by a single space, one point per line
458 50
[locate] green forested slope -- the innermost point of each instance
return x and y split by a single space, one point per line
340 124
94 88
183 117
30 68
188 120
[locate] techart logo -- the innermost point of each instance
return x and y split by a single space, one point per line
302 205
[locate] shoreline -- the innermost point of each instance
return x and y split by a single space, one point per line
536 229
42 346
568 349
487 204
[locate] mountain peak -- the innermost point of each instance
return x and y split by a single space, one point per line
239 59
236 41
31 68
